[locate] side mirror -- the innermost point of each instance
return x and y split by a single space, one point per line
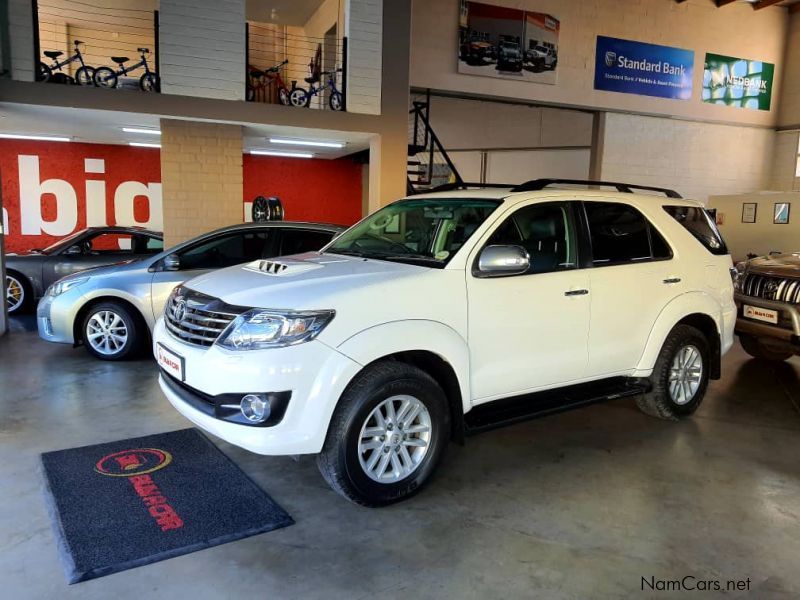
502 261
171 262
74 250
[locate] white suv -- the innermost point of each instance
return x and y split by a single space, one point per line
449 313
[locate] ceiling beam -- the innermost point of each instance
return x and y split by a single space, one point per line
721 3
764 4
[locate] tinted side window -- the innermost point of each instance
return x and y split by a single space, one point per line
621 234
144 244
108 243
296 241
545 231
697 222
226 250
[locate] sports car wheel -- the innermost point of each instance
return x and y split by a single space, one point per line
16 294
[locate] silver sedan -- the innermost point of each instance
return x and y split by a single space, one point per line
111 310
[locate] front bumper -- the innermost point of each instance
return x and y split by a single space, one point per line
786 332
55 316
314 373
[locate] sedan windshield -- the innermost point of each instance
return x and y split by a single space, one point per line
425 232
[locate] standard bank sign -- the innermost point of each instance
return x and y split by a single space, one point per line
645 69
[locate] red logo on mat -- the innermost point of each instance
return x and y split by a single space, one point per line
136 465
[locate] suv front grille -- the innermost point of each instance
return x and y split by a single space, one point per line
198 319
780 289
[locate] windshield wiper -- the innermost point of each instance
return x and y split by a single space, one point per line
346 252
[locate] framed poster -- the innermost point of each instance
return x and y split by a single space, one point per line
781 214
749 210
738 82
507 43
633 67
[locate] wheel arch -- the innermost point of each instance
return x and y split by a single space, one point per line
77 324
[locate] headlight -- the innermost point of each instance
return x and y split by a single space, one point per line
737 274
260 328
63 285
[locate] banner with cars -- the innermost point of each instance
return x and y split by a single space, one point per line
508 43
631 67
738 82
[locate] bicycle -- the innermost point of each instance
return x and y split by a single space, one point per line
301 97
84 75
106 77
261 81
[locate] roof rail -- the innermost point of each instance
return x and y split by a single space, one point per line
446 187
540 184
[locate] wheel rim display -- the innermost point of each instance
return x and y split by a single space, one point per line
15 293
106 332
685 374
394 439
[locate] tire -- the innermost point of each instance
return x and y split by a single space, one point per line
335 101
19 293
148 82
669 398
45 72
105 77
755 348
283 96
109 317
346 466
84 76
298 97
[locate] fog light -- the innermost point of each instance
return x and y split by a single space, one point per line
255 408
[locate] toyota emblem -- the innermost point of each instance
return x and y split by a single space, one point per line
179 310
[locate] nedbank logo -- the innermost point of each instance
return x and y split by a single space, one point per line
750 84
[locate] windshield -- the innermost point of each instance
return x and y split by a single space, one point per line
425 232
63 242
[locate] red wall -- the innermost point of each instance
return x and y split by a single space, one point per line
310 189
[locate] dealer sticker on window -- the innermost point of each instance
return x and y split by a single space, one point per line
170 362
761 314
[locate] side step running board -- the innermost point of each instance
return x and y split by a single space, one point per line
500 413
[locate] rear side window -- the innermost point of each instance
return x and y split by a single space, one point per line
297 241
698 222
621 234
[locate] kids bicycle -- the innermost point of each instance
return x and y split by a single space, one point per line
302 97
106 77
83 76
260 82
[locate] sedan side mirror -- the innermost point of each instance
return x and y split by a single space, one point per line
502 261
74 250
172 262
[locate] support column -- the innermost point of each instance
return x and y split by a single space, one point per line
201 178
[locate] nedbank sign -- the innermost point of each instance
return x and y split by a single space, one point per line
737 82
646 69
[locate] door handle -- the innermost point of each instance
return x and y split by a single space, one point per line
576 292
672 280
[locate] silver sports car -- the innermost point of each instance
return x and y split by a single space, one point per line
111 310
29 273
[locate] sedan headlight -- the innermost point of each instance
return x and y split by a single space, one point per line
261 328
63 285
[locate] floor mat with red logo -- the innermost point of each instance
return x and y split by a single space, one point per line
129 503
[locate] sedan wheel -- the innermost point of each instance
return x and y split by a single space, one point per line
106 333
15 294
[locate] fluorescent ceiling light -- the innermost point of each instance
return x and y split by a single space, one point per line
42 138
284 154
143 145
306 143
140 130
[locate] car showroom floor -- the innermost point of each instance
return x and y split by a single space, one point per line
582 504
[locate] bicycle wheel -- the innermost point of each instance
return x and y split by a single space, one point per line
299 97
283 96
148 82
105 77
84 76
45 72
335 101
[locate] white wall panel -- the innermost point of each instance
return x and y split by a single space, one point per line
364 31
20 28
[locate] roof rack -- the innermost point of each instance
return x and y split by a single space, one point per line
540 184
446 187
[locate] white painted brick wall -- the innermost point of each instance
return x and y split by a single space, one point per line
20 27
202 47
697 159
790 90
364 31
784 165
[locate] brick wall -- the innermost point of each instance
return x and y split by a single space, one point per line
20 29
201 176
364 31
784 164
789 115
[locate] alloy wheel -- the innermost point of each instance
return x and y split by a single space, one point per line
106 332
394 439
15 293
686 374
